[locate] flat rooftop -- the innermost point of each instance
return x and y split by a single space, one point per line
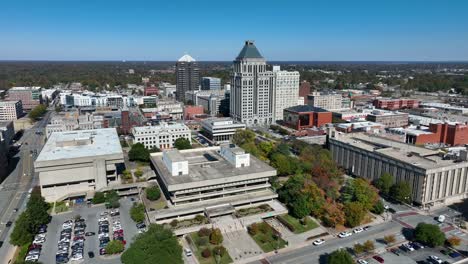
417 156
80 144
205 164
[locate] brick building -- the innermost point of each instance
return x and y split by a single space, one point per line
396 104
305 116
304 90
452 134
190 111
151 90
30 97
388 118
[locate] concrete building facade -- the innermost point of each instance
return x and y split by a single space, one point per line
285 91
327 101
388 118
10 110
434 180
220 130
78 163
30 97
162 136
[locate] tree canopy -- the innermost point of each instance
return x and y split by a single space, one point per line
361 191
429 234
384 183
340 256
153 193
37 112
138 152
182 143
157 245
401 192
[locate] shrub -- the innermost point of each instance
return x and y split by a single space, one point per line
219 250
286 223
174 223
137 212
369 246
153 193
216 237
98 198
138 173
264 207
253 229
206 253
200 218
390 239
202 241
378 208
204 232
454 241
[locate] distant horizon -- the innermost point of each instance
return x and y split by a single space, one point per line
282 61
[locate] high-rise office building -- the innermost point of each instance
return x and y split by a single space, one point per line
187 76
210 83
285 91
251 88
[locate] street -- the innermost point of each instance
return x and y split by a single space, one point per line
14 189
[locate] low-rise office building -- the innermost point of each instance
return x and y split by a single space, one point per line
395 104
305 116
211 181
10 110
220 129
78 163
30 97
161 136
388 118
434 180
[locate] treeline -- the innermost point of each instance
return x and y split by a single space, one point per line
437 82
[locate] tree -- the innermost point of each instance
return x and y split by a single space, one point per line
282 164
454 241
219 250
369 246
158 243
429 234
266 147
401 192
115 247
384 183
340 256
301 206
216 237
126 174
37 209
316 198
243 136
390 239
137 212
138 173
359 190
138 152
206 253
22 233
378 208
358 248
354 213
37 112
98 198
204 232
153 193
283 149
182 143
333 215
112 199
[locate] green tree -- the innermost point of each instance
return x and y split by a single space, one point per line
384 183
301 206
137 212
182 143
359 190
282 164
378 208
354 213
37 112
216 237
266 147
157 244
153 193
429 234
22 233
112 199
340 256
138 173
98 198
283 149
369 246
401 192
37 207
138 152
242 137
115 247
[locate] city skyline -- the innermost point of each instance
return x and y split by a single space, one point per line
209 31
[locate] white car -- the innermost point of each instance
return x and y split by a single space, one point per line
386 207
358 230
318 242
34 257
436 259
38 241
361 261
188 252
408 247
103 213
77 257
103 219
344 234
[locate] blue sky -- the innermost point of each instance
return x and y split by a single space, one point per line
422 30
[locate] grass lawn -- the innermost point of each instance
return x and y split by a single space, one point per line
298 227
60 207
267 240
211 260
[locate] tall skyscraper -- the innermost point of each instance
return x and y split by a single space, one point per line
285 91
187 76
251 88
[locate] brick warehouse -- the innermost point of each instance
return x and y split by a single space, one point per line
452 134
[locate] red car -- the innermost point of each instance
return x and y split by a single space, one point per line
35 246
379 259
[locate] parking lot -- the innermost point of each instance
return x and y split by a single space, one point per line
91 216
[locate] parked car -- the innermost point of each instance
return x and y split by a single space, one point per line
454 254
8 224
362 261
396 251
379 258
435 259
90 234
358 230
188 252
344 234
318 242
90 254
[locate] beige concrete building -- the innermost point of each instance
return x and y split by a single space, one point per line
162 136
78 163
328 101
10 110
211 181
388 118
434 180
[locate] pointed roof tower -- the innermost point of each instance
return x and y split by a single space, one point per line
187 58
249 51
